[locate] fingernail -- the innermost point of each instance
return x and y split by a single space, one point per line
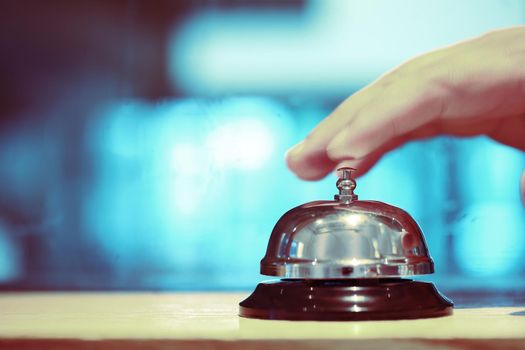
295 150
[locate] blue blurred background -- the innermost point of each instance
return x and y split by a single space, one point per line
142 142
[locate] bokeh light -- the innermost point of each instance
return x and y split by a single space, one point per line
143 148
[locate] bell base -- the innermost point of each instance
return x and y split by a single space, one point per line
345 300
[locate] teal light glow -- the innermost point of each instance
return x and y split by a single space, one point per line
490 240
179 185
328 48
490 231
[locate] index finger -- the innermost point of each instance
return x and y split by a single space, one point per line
309 159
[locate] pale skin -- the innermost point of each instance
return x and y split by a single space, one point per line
476 87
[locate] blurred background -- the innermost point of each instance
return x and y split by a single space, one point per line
142 142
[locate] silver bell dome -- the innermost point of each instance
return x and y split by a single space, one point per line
346 238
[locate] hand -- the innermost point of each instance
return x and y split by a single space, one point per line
476 87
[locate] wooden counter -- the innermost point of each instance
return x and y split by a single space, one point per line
205 320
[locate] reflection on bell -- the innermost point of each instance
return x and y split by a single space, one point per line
345 260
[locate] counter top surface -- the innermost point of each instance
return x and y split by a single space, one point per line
213 316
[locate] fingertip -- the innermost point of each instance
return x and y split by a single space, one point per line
295 151
309 166
312 176
361 166
337 149
346 145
